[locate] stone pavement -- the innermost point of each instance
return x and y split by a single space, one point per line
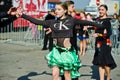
23 62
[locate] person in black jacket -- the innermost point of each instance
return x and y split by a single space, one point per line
9 19
47 37
5 19
71 8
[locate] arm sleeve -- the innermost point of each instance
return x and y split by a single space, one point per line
36 21
88 23
107 25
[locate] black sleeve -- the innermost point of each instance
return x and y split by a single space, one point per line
88 23
107 25
45 23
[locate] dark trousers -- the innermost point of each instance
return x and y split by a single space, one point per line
73 42
46 39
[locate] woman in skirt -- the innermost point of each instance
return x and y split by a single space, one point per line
103 57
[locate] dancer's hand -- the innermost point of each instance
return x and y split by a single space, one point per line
15 11
12 11
48 31
45 29
19 11
85 28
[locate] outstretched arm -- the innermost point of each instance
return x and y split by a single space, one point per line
19 12
88 23
36 21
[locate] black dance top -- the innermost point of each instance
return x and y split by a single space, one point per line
107 25
62 28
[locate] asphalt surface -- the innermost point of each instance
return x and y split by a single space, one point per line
27 62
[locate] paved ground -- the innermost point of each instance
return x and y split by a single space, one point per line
23 62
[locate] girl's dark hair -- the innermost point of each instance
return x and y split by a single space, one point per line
105 6
63 5
68 3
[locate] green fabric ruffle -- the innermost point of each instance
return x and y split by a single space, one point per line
65 59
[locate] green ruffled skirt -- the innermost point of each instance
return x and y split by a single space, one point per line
65 59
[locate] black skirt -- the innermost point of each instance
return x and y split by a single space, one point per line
103 56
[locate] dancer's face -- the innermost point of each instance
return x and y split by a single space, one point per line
102 11
59 11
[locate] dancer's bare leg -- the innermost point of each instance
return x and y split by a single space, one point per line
55 73
107 70
84 47
67 75
81 47
101 72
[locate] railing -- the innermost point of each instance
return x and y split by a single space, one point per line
22 35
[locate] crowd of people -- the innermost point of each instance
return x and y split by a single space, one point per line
63 26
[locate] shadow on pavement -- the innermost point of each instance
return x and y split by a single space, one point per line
95 72
31 74
25 77
44 72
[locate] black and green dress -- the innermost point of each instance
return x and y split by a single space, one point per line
64 58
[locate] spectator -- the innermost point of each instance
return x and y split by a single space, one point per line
47 37
9 19
83 35
115 31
